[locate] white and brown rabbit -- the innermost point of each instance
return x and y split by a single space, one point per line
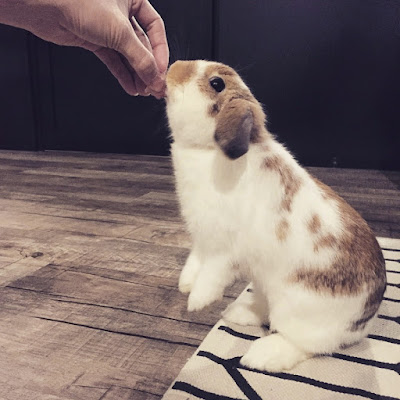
317 271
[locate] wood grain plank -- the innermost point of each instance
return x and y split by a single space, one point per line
122 393
67 156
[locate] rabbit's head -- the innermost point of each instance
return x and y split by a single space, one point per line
209 106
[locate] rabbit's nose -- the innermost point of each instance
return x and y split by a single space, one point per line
181 72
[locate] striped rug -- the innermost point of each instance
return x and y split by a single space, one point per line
370 369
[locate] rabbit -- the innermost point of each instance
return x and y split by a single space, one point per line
317 271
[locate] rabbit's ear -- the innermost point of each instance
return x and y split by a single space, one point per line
235 123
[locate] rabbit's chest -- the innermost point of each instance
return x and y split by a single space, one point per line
202 201
206 200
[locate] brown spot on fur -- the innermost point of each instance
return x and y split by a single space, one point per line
213 109
354 268
222 70
232 84
274 163
331 281
282 230
234 90
370 308
290 181
180 72
359 264
314 224
325 241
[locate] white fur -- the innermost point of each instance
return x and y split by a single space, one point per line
232 209
249 309
273 353
185 120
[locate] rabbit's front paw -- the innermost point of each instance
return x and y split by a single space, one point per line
247 310
202 296
189 273
186 281
242 314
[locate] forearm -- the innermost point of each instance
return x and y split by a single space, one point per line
20 13
8 11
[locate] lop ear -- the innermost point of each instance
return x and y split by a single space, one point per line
234 125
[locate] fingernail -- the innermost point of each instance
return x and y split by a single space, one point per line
159 96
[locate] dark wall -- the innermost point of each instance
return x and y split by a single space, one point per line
17 125
326 71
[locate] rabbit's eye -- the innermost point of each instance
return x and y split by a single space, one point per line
217 84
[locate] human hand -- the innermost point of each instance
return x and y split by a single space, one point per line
136 56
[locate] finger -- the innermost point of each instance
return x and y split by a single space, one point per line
117 67
139 84
140 33
154 27
142 89
140 58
